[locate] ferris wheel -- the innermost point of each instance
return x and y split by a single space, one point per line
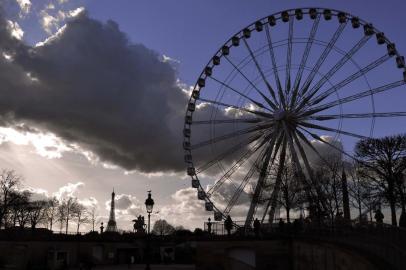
275 90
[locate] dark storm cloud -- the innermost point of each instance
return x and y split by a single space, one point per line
91 86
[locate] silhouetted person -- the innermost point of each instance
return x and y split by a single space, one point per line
209 226
101 228
257 227
281 225
228 224
339 220
297 225
402 219
379 216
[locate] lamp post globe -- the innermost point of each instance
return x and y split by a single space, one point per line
149 203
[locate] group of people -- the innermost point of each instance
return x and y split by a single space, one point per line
229 224
296 225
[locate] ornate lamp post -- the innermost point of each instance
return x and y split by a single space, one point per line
149 204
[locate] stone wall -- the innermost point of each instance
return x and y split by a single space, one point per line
278 254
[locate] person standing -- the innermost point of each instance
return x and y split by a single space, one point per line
228 224
209 224
379 216
257 227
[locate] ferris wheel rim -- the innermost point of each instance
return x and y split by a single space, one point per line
219 53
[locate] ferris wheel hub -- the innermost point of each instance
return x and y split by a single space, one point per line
281 114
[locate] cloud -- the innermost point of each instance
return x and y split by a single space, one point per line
172 61
46 145
52 22
15 30
186 209
25 6
76 12
324 149
127 207
89 86
37 194
89 202
95 88
69 190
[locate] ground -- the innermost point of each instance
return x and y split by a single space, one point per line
142 266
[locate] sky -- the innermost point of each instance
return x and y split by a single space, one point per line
86 132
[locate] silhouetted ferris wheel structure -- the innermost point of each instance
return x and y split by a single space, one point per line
274 90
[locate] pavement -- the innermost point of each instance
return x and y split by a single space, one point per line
142 266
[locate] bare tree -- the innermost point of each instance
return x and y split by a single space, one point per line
383 161
362 196
22 208
327 185
162 227
69 204
37 212
61 216
9 182
51 211
291 194
93 216
17 211
79 211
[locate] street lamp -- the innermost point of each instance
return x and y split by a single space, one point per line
149 204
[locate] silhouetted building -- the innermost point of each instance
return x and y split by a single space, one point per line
111 224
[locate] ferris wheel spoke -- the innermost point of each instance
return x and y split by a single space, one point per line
304 59
322 58
228 152
343 83
318 138
229 121
239 93
340 63
237 165
303 138
311 173
275 192
270 89
231 135
304 157
242 185
308 184
298 135
263 114
289 58
354 97
356 115
261 180
272 54
314 126
278 144
252 84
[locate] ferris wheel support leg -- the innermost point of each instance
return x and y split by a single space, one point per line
275 192
259 186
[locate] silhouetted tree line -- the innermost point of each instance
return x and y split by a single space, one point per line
18 208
